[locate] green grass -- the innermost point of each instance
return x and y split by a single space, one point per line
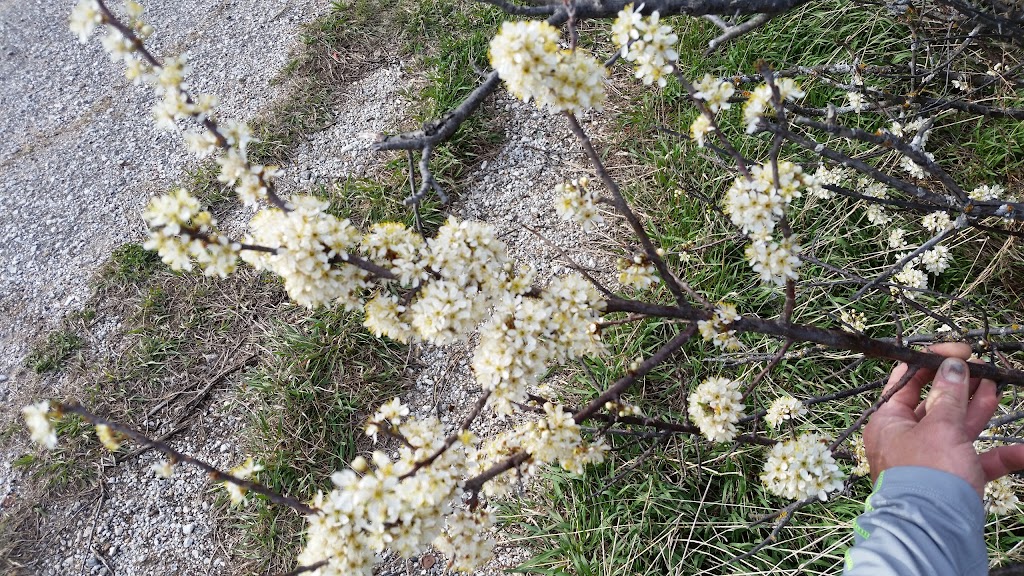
309 402
52 354
129 264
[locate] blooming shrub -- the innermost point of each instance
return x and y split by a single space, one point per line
436 485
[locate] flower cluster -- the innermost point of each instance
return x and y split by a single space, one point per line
525 334
554 438
802 468
576 201
307 241
180 231
1000 498
646 42
243 471
987 193
755 205
402 504
467 540
638 272
527 58
825 176
715 93
717 327
783 409
714 406
853 321
760 101
38 419
774 261
168 78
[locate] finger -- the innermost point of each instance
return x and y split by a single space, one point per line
981 407
1000 461
951 350
947 400
904 400
958 351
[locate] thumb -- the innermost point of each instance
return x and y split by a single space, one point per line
947 400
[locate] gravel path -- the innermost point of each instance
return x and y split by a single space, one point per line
80 157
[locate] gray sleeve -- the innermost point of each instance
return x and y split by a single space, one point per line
919 521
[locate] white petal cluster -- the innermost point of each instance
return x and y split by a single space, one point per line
823 176
898 239
467 540
398 249
388 507
39 424
525 334
913 168
243 471
775 262
180 231
554 438
714 406
857 101
802 468
638 272
527 58
700 128
783 409
385 315
308 240
853 321
85 17
756 204
875 212
936 260
1000 496
716 328
935 222
912 277
576 201
715 92
985 192
647 43
759 103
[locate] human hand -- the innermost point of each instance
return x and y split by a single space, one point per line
939 433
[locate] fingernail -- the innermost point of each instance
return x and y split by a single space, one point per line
953 370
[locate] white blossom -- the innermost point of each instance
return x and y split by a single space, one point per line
575 200
802 468
37 419
935 222
527 58
716 328
1000 496
714 406
85 17
782 409
715 92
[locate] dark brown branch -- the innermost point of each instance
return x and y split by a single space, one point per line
215 474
